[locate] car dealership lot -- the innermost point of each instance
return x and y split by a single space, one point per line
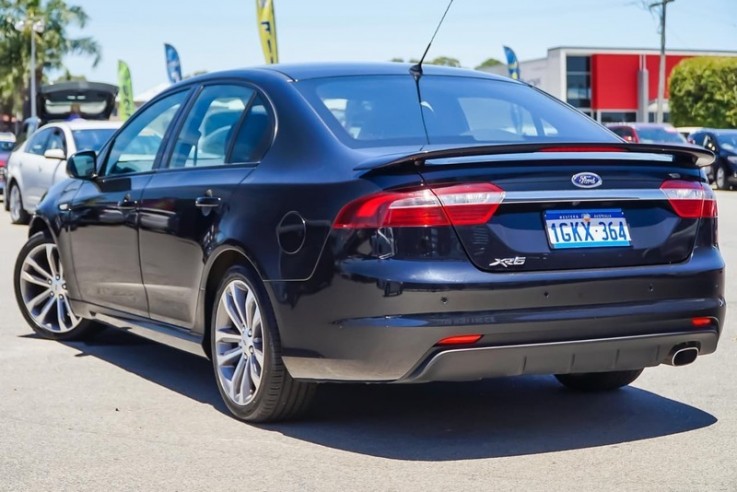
123 413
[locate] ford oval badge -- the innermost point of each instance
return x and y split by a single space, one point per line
586 180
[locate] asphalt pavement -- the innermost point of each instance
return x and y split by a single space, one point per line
122 413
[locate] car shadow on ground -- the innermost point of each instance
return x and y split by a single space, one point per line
430 422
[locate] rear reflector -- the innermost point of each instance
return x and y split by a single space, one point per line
460 340
465 204
690 199
701 322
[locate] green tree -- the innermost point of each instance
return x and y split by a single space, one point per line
51 46
445 61
489 62
703 92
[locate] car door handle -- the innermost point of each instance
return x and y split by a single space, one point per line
207 201
126 204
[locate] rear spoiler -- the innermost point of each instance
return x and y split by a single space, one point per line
681 154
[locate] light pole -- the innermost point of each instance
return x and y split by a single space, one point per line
661 72
37 26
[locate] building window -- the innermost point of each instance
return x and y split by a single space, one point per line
578 81
618 116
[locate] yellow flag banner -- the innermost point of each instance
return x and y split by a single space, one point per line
126 106
267 29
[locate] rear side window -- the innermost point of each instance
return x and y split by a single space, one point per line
384 110
227 124
254 134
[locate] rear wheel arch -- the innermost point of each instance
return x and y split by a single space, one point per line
214 272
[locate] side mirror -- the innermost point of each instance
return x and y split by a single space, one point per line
82 165
57 154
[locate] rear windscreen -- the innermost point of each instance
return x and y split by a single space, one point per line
92 139
384 110
85 103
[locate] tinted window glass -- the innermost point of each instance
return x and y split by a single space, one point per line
209 127
384 110
254 135
137 145
6 146
56 141
697 138
37 143
728 140
662 135
92 139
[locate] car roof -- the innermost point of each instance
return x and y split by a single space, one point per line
302 71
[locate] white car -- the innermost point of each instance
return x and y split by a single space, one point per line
41 161
7 142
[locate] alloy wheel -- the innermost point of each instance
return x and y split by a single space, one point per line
43 289
239 342
15 204
721 178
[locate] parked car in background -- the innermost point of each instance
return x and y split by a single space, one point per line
686 131
7 142
379 223
40 161
57 102
648 133
724 144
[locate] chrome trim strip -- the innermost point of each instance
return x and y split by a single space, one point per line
597 195
578 157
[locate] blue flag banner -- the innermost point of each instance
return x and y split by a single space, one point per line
512 63
173 65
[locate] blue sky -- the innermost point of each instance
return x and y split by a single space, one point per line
221 34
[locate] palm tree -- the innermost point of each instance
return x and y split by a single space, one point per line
51 46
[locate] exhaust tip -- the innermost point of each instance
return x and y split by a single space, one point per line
684 356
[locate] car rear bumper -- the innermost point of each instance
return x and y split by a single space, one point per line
598 355
386 328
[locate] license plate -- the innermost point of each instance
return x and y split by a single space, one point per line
602 228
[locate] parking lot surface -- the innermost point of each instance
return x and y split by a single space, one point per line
122 413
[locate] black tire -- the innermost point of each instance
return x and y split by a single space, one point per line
723 183
22 217
84 329
278 396
598 381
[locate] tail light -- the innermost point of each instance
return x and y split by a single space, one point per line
690 199
465 204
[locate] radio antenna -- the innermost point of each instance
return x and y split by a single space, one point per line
416 70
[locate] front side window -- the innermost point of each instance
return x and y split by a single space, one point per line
37 144
56 141
382 110
135 148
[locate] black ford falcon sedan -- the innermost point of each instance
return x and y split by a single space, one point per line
302 224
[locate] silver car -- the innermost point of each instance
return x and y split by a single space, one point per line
41 161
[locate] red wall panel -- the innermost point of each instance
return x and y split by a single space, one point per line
653 66
614 79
